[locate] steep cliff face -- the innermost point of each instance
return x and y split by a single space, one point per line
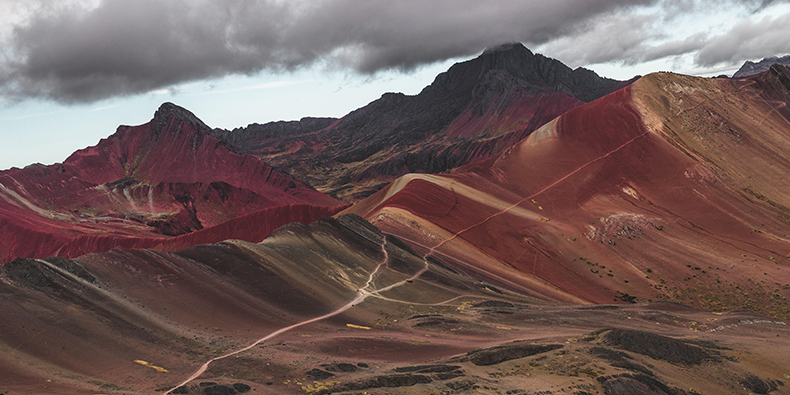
474 110
674 188
164 178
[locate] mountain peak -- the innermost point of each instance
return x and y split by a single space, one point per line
169 110
511 65
514 47
510 57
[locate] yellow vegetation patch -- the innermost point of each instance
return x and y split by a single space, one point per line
367 328
318 386
152 366
378 324
464 305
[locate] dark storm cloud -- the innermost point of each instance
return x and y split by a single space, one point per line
748 40
633 38
674 48
375 35
765 3
72 55
127 47
618 37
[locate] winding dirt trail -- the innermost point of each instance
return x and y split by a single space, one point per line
362 294
204 367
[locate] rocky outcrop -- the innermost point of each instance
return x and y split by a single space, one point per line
389 381
495 355
659 347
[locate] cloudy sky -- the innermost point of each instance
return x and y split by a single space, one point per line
71 72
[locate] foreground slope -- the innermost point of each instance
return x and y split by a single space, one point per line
674 188
141 186
474 110
339 307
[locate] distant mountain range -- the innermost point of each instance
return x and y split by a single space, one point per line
751 68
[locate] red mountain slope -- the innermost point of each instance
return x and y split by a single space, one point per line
165 178
674 188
